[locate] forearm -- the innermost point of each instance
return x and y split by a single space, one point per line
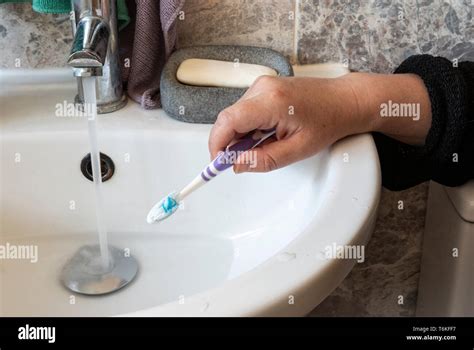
439 145
420 119
395 105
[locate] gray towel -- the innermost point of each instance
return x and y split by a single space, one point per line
148 42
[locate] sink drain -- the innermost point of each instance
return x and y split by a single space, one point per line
83 275
107 167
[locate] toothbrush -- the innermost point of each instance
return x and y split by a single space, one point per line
168 205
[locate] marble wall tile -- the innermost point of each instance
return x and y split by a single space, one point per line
333 31
370 35
393 34
378 35
267 23
41 40
31 39
446 28
392 264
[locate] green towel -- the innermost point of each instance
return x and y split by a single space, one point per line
64 6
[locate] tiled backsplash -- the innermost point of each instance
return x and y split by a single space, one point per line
268 23
378 35
370 35
32 40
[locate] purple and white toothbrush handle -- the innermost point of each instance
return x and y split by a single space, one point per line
227 159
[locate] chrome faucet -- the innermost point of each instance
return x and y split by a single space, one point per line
95 51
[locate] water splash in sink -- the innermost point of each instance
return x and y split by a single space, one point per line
90 100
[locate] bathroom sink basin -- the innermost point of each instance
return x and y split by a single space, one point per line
245 245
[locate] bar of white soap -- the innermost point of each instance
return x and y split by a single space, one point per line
203 72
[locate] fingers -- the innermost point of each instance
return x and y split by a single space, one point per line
271 156
256 109
241 118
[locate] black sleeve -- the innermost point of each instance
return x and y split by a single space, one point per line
448 154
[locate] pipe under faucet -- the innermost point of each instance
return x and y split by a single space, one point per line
95 53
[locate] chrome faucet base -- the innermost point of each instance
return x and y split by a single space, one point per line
84 275
104 108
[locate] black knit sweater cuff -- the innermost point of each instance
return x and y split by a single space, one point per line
403 165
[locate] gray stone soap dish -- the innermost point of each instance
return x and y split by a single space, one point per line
197 104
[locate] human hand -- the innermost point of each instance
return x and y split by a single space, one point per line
307 114
310 114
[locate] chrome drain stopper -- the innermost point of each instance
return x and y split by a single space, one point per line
85 274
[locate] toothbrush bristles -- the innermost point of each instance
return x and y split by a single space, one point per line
163 209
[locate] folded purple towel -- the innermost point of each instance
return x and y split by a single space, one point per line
153 34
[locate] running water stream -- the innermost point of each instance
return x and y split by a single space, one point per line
97 269
90 105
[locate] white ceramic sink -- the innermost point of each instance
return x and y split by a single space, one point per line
245 245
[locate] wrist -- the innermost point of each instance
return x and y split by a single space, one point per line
366 109
397 105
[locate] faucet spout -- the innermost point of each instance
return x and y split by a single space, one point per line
89 49
95 52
